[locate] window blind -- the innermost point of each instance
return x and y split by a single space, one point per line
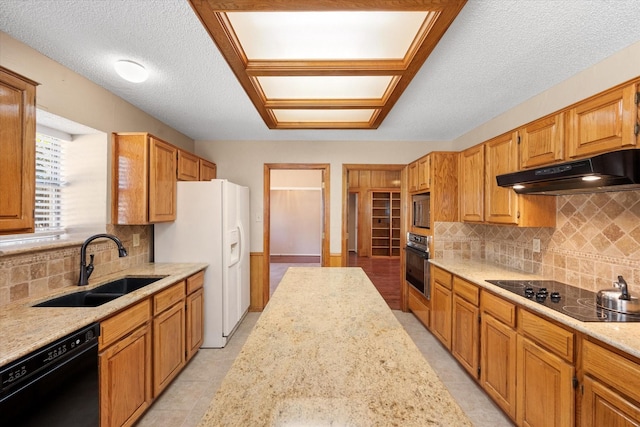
49 182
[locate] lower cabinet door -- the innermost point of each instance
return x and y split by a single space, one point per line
545 388
498 363
168 345
441 314
195 322
464 339
602 406
125 379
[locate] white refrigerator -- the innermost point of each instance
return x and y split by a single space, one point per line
212 226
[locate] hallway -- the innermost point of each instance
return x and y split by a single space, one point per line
385 275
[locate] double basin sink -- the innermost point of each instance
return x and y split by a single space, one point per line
101 294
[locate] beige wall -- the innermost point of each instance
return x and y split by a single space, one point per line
243 162
69 95
618 68
64 93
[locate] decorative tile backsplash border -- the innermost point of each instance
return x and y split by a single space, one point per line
36 273
596 238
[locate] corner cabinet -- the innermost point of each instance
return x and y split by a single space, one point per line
144 179
208 170
385 223
17 152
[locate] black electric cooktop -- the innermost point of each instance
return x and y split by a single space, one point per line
566 299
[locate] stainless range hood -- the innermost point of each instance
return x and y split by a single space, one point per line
614 171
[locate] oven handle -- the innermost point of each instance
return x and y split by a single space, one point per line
421 254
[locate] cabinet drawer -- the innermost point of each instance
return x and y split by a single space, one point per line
168 297
418 307
466 290
441 276
499 308
195 282
612 368
551 336
116 327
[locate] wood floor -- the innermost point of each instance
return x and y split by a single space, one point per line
385 275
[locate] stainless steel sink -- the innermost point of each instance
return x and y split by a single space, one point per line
102 294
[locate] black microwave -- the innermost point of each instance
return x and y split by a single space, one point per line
422 210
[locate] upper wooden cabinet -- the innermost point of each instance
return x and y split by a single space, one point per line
605 122
542 142
424 172
208 170
413 177
17 152
144 179
503 205
188 166
471 177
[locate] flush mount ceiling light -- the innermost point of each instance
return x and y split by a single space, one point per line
131 71
322 64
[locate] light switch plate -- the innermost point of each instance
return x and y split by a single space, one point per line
136 240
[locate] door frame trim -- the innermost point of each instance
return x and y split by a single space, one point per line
266 223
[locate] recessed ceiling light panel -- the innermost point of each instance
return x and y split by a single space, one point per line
326 35
324 87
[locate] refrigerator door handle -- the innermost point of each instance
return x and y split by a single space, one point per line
234 246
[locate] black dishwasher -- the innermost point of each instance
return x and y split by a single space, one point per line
56 385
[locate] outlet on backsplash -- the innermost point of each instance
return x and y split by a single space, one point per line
536 245
136 240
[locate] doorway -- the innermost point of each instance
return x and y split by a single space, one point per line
296 219
373 225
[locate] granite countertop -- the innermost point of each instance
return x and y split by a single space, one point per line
624 336
327 350
24 328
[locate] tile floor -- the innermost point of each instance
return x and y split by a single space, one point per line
186 400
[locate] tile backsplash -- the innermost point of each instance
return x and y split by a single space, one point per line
37 272
596 238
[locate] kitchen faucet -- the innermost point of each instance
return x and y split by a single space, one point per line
86 270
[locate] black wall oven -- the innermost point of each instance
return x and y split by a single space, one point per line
417 263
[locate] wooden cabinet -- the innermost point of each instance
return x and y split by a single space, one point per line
419 305
503 205
498 341
465 336
542 141
611 388
414 179
17 152
441 297
188 166
144 179
194 332
385 223
602 123
545 373
168 335
424 173
125 366
501 156
471 188
208 170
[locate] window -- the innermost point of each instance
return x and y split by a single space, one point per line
49 183
71 182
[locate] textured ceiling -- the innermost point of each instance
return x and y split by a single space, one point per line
496 54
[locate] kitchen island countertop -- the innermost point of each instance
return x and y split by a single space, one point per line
327 350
